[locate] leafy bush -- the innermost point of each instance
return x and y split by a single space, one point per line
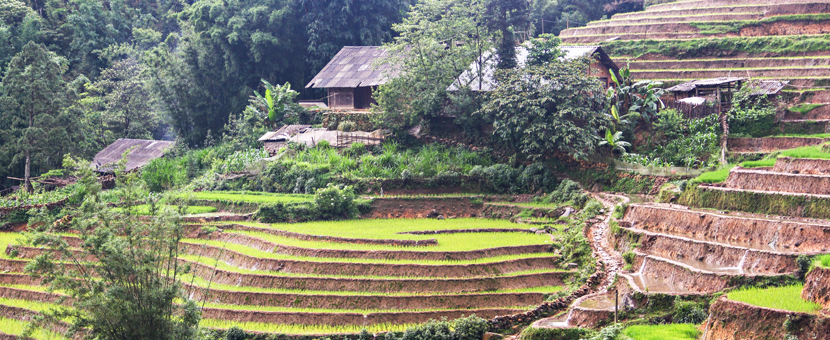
469 328
163 174
608 333
235 333
689 312
347 126
532 333
282 212
681 142
334 203
568 192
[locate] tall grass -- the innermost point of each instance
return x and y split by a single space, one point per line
786 298
662 332
803 108
823 261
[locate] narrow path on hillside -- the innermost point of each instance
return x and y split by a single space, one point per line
598 236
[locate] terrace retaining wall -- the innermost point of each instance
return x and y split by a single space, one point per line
718 255
305 318
769 144
378 285
733 320
375 269
404 207
448 301
254 242
802 166
682 278
817 286
763 180
739 230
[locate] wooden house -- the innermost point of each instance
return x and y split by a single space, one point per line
141 153
352 75
601 67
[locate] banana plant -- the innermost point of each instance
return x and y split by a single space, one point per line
614 140
634 100
273 106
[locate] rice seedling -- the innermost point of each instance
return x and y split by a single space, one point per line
662 332
203 283
786 298
764 163
7 238
822 261
264 254
190 210
446 242
716 176
250 197
28 304
335 310
389 228
227 267
16 327
531 204
803 108
302 329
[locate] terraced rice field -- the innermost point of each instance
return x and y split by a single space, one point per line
342 277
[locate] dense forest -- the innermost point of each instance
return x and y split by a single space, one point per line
78 74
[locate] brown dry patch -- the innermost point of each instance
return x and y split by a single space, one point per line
254 242
732 320
378 285
404 207
762 180
464 301
817 286
743 230
373 269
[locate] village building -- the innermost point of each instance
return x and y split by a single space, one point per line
141 153
698 98
352 76
601 67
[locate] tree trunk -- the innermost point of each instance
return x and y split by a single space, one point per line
27 173
724 123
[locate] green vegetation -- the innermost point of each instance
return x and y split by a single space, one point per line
335 310
144 209
720 27
17 327
822 261
263 254
250 197
388 228
717 176
786 298
803 108
764 163
532 333
302 329
720 47
662 332
757 202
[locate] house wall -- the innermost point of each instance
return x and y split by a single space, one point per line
341 98
599 70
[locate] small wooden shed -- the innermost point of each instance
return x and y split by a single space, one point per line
719 88
352 76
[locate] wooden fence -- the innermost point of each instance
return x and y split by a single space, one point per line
346 139
690 111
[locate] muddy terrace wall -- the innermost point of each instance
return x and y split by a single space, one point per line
770 144
821 112
762 180
677 248
739 230
348 318
817 286
795 205
378 285
729 6
703 74
754 62
802 166
254 242
732 320
373 269
401 207
682 278
450 301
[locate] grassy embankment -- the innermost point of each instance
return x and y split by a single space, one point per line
786 298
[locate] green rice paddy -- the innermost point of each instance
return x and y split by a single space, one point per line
190 210
446 242
302 329
250 197
264 254
336 310
716 176
16 327
822 261
786 298
662 332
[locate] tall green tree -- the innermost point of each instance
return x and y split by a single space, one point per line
437 42
19 24
35 128
332 24
122 279
507 17
548 108
128 103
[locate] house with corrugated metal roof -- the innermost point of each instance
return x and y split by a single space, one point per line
353 75
601 67
141 152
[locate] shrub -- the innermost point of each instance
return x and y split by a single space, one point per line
283 212
569 191
804 262
346 126
629 257
323 144
469 328
532 333
334 203
163 174
235 333
619 211
689 312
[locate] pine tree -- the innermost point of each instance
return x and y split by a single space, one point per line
33 97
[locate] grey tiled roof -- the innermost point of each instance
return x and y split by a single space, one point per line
355 66
144 151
